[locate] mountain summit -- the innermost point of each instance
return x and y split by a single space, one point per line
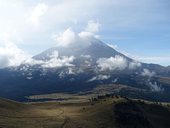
93 48
82 66
87 53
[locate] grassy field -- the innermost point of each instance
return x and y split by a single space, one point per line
82 96
115 112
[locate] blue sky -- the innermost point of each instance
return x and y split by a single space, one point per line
138 28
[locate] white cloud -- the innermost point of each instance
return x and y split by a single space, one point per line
99 77
86 56
155 87
37 13
163 60
66 38
85 34
115 80
93 26
11 55
116 63
148 73
103 77
90 30
112 63
55 16
11 36
134 65
92 79
32 62
55 61
70 71
59 62
69 37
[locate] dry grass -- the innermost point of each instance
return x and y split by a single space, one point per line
56 115
97 114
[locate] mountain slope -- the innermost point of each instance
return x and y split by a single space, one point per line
95 48
82 67
108 113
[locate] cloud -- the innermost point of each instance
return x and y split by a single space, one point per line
93 26
103 77
18 57
55 61
116 63
32 62
99 77
85 34
134 65
112 63
11 55
11 36
115 80
163 60
55 16
86 56
69 37
147 72
155 87
70 71
91 30
66 38
37 13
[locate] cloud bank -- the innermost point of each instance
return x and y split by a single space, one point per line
11 55
112 63
31 23
69 37
55 61
116 63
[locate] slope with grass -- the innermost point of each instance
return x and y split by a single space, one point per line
113 112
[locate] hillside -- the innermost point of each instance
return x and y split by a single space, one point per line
82 68
113 112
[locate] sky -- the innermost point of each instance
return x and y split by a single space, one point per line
138 28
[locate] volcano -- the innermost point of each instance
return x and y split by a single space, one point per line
82 67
